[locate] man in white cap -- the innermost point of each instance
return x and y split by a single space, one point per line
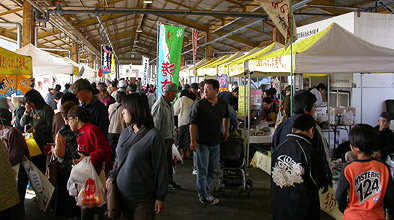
163 118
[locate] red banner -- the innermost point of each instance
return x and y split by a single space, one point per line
194 39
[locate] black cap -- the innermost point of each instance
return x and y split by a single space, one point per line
5 117
194 86
385 115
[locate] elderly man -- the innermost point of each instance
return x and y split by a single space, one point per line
163 118
84 92
385 145
207 117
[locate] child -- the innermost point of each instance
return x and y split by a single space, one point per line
297 174
367 181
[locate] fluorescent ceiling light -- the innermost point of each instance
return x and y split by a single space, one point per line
139 30
148 2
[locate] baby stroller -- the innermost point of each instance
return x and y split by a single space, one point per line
232 167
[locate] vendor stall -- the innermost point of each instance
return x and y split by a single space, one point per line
333 50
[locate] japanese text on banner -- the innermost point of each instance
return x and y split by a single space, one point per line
170 48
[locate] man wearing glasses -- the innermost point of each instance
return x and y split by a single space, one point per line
83 90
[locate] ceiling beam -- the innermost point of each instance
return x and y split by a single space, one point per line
186 22
10 11
237 39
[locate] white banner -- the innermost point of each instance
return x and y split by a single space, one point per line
279 12
275 64
145 65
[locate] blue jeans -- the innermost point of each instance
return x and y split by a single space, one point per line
207 166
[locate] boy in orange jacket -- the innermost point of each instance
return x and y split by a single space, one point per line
366 180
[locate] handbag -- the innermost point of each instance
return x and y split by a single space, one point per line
34 149
113 196
51 171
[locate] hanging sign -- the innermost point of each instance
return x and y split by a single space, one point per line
14 64
243 102
113 64
106 59
170 48
279 12
222 82
15 84
194 41
145 66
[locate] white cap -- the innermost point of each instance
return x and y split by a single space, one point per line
122 84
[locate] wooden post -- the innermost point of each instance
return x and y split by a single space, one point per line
90 60
277 36
28 25
74 52
208 48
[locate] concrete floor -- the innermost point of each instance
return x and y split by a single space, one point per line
183 204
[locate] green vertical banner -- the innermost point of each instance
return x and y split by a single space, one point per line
170 49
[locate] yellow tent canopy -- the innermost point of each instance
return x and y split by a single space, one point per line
15 73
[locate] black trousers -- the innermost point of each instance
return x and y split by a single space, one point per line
170 163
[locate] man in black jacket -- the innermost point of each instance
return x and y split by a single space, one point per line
296 174
304 103
385 145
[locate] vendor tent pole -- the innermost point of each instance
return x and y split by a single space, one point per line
328 109
249 114
244 84
361 91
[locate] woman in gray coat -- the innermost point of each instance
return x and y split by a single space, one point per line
142 180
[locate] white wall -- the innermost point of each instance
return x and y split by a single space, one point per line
345 20
376 88
375 28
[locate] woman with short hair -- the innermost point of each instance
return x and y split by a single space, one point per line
91 142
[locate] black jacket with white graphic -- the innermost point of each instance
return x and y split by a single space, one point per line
296 178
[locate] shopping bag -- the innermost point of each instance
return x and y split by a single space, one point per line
34 149
51 171
92 191
40 184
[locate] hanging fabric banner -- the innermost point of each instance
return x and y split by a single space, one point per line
113 64
279 12
194 41
12 84
145 66
106 55
222 82
170 48
243 102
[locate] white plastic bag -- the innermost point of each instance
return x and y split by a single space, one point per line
176 156
390 162
91 192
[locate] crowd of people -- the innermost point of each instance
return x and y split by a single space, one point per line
118 121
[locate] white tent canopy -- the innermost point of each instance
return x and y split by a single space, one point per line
88 72
44 63
334 50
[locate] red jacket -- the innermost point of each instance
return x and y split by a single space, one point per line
92 142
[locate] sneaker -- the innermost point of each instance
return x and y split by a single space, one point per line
209 201
194 172
173 185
